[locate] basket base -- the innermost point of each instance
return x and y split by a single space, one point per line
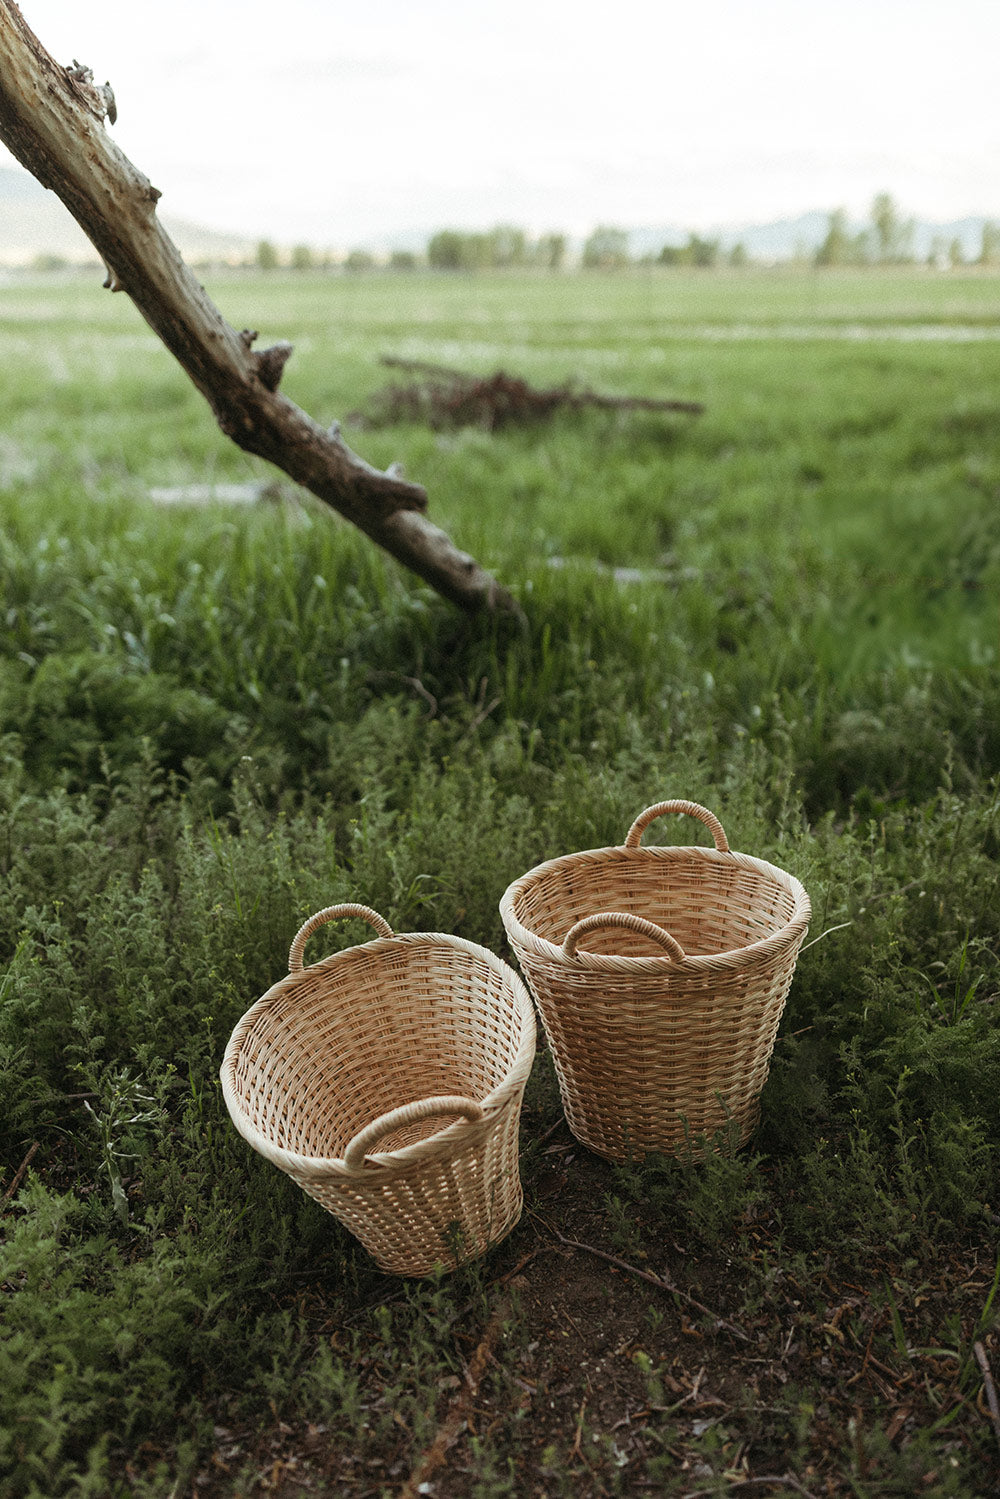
419 1261
417 1225
616 1142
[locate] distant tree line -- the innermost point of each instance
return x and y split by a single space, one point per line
502 248
887 239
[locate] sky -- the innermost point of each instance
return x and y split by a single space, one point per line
346 123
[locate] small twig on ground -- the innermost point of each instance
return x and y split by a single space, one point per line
864 1365
511 1275
19 1176
534 1147
989 1387
782 1480
647 1275
457 1413
574 1325
417 686
895 890
839 928
480 718
574 1451
423 367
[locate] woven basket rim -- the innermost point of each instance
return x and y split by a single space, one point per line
608 963
381 1163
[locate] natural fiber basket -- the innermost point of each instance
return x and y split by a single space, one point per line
660 975
387 1081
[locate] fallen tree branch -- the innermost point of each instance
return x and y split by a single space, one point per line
773 1480
19 1176
989 1387
450 1428
451 398
52 120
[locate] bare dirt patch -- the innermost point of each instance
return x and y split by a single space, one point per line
578 1372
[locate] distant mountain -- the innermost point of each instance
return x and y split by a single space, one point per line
774 240
783 239
34 223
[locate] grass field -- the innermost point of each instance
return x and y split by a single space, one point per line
215 720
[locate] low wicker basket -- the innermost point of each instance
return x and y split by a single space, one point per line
387 1081
660 975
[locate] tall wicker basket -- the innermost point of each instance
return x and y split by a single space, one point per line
661 975
387 1081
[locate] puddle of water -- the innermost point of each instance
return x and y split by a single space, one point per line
211 494
846 332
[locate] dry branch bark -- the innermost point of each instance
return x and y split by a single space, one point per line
52 120
453 398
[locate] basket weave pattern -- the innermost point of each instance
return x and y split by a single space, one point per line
387 1081
660 975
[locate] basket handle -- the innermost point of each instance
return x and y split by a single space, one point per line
692 809
625 919
331 913
407 1113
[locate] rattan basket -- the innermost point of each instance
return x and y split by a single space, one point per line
660 975
387 1081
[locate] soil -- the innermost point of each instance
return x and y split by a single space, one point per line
600 1372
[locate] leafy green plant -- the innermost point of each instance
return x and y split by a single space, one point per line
215 722
121 1111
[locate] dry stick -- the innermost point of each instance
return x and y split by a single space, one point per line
52 121
989 1387
540 1141
19 1175
647 1275
458 1410
564 395
421 367
575 1449
784 1480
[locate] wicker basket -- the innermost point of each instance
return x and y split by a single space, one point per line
387 1081
660 975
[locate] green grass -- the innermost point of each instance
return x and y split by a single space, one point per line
214 721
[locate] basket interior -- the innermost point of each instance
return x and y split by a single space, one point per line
710 903
328 1050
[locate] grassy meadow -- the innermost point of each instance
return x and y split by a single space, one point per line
216 719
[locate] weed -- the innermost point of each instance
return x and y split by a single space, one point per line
214 723
122 1109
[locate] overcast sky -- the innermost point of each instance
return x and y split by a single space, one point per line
341 123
